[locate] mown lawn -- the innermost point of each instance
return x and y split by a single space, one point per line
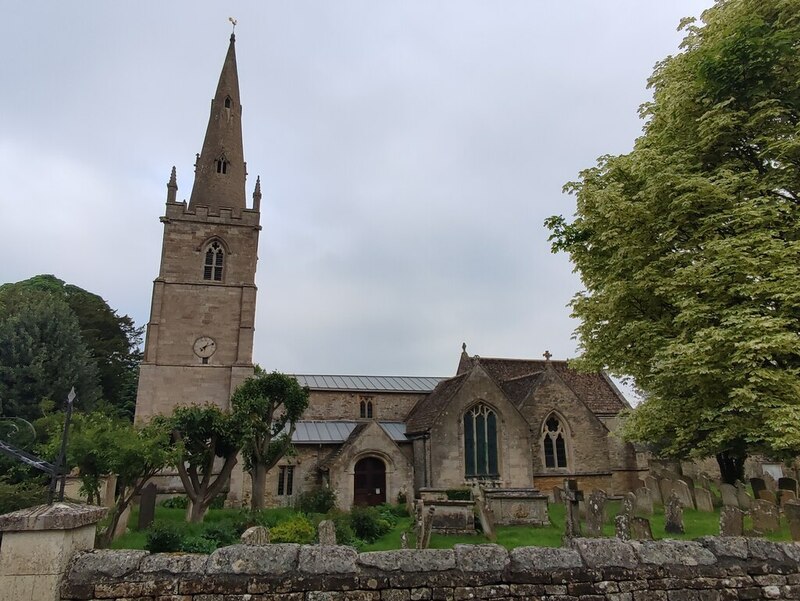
697 524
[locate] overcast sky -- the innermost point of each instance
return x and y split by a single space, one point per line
409 153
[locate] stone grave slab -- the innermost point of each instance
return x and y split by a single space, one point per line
786 483
640 529
791 510
731 521
767 495
758 484
644 502
729 496
683 493
673 515
745 500
785 496
595 513
704 499
765 516
147 506
655 491
665 486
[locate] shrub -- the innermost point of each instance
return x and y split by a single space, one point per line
344 531
317 500
178 502
198 544
296 529
458 494
21 495
368 524
221 533
164 537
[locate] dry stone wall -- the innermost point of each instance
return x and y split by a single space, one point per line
709 569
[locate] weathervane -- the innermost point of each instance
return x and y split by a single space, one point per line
233 22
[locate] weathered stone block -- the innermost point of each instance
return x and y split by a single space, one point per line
601 553
673 552
410 560
318 559
481 558
245 559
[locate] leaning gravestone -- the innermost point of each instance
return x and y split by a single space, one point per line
673 515
772 483
255 536
731 521
652 485
147 506
758 484
768 495
428 526
596 512
326 533
729 496
704 500
703 481
786 495
792 511
788 484
766 517
640 529
745 500
683 493
644 502
665 486
558 495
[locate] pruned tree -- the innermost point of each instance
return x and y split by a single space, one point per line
689 245
208 441
267 407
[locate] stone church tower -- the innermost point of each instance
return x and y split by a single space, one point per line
199 343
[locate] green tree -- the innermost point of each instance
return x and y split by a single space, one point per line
113 341
101 444
42 355
203 433
267 406
689 246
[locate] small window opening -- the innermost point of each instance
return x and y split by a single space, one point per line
362 409
215 257
205 360
228 102
285 480
369 408
221 165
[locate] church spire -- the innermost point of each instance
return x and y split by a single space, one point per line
220 170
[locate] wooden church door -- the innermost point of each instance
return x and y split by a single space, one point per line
369 482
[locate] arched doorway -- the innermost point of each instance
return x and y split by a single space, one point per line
369 482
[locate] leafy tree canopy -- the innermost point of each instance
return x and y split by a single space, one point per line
112 340
267 407
689 246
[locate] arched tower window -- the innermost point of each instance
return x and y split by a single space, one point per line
480 442
221 165
214 262
554 443
228 102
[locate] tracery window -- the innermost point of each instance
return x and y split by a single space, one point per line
365 407
214 262
285 480
554 442
480 442
221 165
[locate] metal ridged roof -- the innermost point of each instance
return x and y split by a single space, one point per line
334 432
369 383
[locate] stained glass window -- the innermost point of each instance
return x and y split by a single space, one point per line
480 442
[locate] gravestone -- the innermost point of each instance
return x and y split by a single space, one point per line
419 519
786 495
731 521
703 481
758 484
690 484
628 506
788 484
572 519
745 500
596 513
644 502
729 496
255 536
486 516
326 533
640 529
766 517
683 493
791 510
427 526
122 524
655 491
768 495
772 483
622 526
673 515
665 486
558 494
147 506
704 499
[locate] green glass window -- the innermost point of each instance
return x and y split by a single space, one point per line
480 442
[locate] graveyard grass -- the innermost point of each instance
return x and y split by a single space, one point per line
697 524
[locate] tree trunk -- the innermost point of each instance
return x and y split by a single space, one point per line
197 511
259 477
731 466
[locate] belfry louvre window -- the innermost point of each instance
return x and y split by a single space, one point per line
285 480
480 442
221 165
554 442
215 259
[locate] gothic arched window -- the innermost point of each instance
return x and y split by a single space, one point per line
214 262
365 407
480 442
221 165
554 442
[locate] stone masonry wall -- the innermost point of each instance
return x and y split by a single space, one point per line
710 569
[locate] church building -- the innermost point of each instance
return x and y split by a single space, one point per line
506 424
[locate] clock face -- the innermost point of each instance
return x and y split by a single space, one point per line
204 346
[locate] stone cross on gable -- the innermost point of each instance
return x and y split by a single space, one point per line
547 355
